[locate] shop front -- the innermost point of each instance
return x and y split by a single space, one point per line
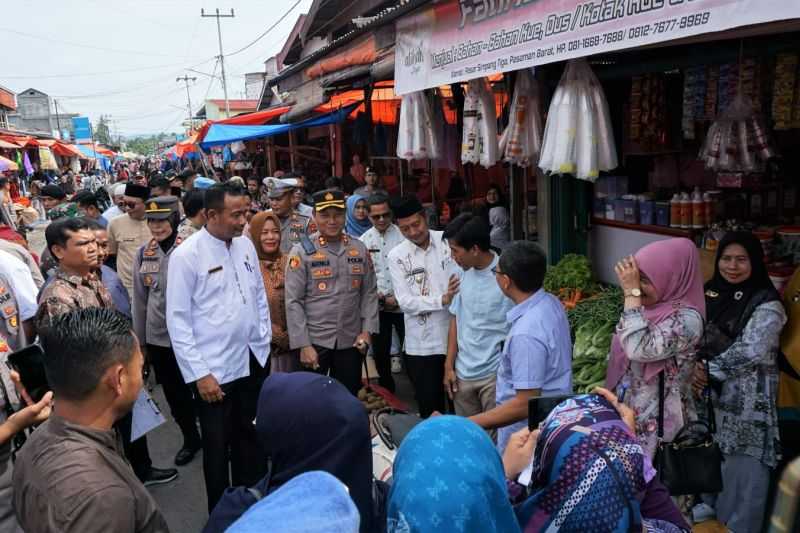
677 107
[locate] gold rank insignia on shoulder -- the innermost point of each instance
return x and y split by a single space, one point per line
712 294
294 262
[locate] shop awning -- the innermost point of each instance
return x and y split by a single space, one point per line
249 119
66 150
220 134
9 145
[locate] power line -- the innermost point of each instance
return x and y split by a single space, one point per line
81 45
219 16
88 74
267 30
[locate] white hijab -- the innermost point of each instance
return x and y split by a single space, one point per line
501 232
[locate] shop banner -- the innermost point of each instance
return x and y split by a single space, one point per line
458 40
82 128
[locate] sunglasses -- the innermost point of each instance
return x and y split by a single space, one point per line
130 205
381 216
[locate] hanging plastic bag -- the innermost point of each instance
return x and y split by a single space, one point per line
469 140
487 125
521 141
416 137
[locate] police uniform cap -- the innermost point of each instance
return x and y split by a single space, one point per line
279 186
328 198
160 207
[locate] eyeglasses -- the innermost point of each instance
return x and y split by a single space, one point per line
381 216
130 205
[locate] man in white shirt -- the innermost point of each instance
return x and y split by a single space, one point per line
381 239
425 280
218 322
118 198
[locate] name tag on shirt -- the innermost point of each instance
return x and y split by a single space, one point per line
215 269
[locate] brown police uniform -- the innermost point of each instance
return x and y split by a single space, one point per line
293 228
331 297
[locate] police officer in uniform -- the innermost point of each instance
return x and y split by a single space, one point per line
293 224
331 295
150 322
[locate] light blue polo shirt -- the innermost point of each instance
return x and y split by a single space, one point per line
537 354
480 308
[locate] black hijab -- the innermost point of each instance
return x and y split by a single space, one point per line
174 221
729 305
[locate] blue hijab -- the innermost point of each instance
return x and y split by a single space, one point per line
355 227
448 478
307 422
314 502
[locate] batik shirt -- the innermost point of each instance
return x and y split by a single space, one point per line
674 341
746 411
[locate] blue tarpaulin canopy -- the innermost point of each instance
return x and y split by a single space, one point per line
220 134
88 151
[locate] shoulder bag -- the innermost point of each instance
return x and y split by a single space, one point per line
692 462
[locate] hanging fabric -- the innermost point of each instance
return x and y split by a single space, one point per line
416 137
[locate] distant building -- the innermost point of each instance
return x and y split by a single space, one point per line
35 112
8 104
215 109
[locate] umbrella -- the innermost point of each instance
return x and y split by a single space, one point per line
7 164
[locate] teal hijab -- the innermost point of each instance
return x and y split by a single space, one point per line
448 478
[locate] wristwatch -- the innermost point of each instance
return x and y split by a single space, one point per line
636 293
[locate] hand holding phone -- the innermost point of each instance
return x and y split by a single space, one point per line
28 362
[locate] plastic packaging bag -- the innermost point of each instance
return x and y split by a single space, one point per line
578 138
416 138
737 141
479 139
521 141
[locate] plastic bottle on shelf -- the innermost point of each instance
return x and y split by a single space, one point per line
686 211
675 211
698 209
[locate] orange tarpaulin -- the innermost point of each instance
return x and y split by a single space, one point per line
363 53
66 150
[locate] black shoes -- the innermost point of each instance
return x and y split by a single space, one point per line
186 454
158 476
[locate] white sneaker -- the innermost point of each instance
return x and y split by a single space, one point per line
397 365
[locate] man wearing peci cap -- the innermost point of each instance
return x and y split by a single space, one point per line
331 295
425 281
293 224
150 318
126 234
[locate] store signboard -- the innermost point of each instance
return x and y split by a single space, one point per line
82 128
459 40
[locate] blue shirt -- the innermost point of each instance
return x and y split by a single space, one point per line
537 354
480 308
119 294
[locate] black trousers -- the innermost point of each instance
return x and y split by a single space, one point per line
179 395
136 452
382 347
426 373
231 453
342 365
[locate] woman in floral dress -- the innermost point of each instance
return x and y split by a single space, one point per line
660 328
745 318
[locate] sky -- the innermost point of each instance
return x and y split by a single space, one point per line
121 57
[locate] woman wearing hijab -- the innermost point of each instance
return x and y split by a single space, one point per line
494 198
448 478
265 232
500 233
149 308
357 216
314 502
591 474
308 422
745 318
657 335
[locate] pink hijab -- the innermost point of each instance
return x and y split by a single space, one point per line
673 267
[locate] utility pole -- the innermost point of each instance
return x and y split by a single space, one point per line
186 79
58 119
218 16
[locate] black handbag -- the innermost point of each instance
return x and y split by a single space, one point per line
692 462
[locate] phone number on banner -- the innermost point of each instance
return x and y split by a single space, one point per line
645 30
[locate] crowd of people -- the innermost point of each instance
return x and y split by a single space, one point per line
255 305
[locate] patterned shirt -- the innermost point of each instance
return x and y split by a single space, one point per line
746 411
68 292
674 341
